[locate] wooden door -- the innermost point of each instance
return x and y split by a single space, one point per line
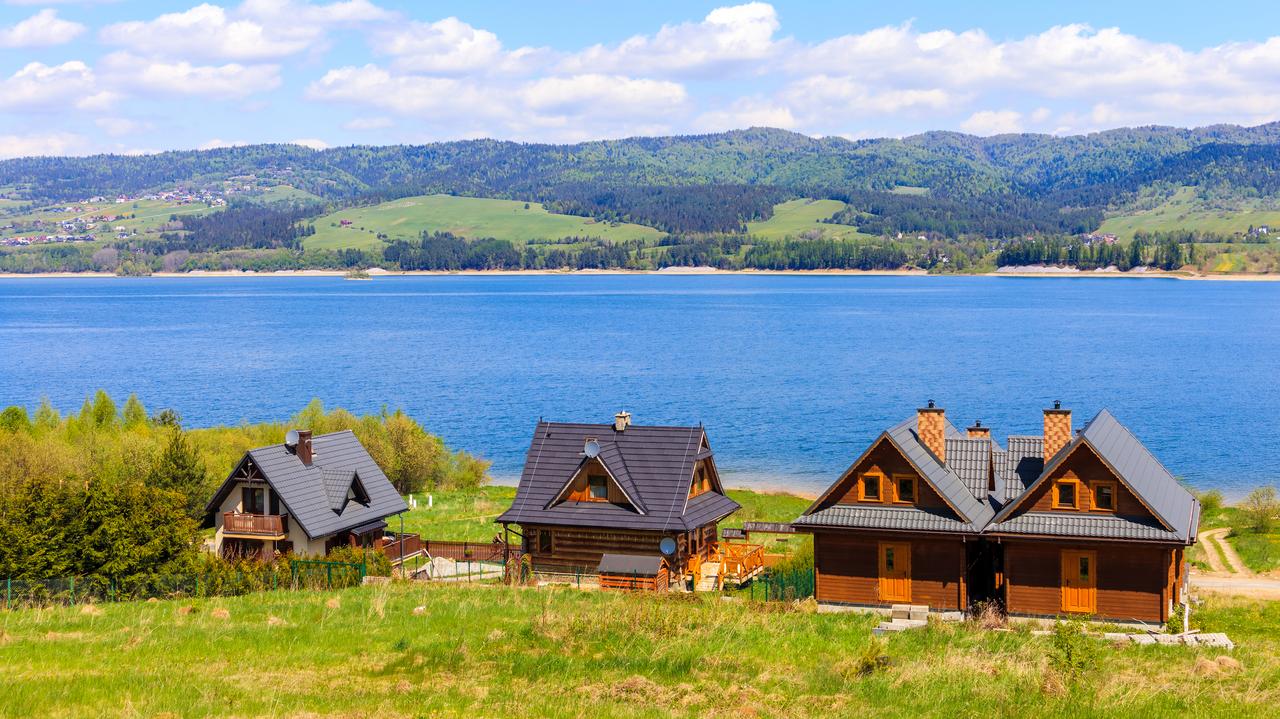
1079 581
895 571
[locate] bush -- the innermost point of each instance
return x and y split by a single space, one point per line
376 564
1074 651
1260 508
1210 501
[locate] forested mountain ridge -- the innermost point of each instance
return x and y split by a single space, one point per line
947 163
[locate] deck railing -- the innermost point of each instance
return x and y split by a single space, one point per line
401 546
741 561
264 524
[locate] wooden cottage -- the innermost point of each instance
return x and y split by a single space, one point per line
303 497
588 490
1089 524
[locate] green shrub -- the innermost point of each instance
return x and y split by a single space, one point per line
1074 652
1260 508
1210 501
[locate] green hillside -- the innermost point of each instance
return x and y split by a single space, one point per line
470 217
796 217
1184 211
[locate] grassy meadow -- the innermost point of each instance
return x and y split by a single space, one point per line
470 217
1260 551
141 216
796 217
1183 211
443 650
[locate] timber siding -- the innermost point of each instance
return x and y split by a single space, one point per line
846 566
1133 581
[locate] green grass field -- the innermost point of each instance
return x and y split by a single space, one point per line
795 217
142 216
470 217
1184 212
491 651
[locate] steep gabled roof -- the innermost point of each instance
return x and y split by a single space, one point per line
1176 509
1023 465
653 466
309 492
971 511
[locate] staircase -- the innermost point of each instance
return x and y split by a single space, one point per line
709 577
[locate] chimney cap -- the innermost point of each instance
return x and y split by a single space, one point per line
977 424
1057 404
931 406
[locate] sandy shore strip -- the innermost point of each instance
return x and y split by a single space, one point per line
1047 272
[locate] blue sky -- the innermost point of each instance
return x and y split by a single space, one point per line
83 77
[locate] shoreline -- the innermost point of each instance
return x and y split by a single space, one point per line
670 272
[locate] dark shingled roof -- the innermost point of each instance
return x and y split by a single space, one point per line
962 482
652 465
1177 510
640 565
900 518
308 492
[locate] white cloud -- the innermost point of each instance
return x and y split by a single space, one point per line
218 143
43 29
747 112
47 87
229 81
119 126
368 123
311 142
373 86
53 143
256 30
993 122
727 36
603 95
446 46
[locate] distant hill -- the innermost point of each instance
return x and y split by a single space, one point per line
998 186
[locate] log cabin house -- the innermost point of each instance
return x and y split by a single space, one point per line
1057 524
305 497
591 490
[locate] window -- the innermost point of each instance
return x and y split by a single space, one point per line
904 488
598 486
888 558
1064 495
869 488
1104 496
1084 568
544 541
253 500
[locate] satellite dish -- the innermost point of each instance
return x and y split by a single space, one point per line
291 438
591 448
667 546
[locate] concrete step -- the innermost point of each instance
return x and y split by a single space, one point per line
899 625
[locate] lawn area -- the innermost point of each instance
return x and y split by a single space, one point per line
467 515
1184 212
1260 551
493 651
469 217
147 216
792 218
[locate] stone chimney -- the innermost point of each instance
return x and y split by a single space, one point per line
931 425
621 421
1057 429
977 431
304 446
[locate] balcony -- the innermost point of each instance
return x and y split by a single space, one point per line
265 526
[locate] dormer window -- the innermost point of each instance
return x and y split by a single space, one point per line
598 487
1104 496
904 488
869 487
1065 494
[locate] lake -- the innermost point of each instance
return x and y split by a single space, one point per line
792 375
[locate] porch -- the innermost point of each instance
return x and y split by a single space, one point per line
244 525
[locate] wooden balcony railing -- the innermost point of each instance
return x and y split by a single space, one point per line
398 547
265 524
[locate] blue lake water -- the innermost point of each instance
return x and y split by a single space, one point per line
792 375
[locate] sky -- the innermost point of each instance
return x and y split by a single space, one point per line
131 77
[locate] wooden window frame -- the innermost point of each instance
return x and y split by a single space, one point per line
550 542
862 487
591 497
1076 487
1093 496
915 488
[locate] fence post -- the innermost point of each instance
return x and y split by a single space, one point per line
8 592
73 591
328 572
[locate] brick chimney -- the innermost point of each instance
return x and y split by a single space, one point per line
304 446
621 421
1057 429
931 425
977 431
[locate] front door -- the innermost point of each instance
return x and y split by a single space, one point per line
1079 581
895 572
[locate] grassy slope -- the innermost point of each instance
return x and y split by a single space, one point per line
490 651
792 218
470 217
151 214
1259 551
1184 212
467 515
